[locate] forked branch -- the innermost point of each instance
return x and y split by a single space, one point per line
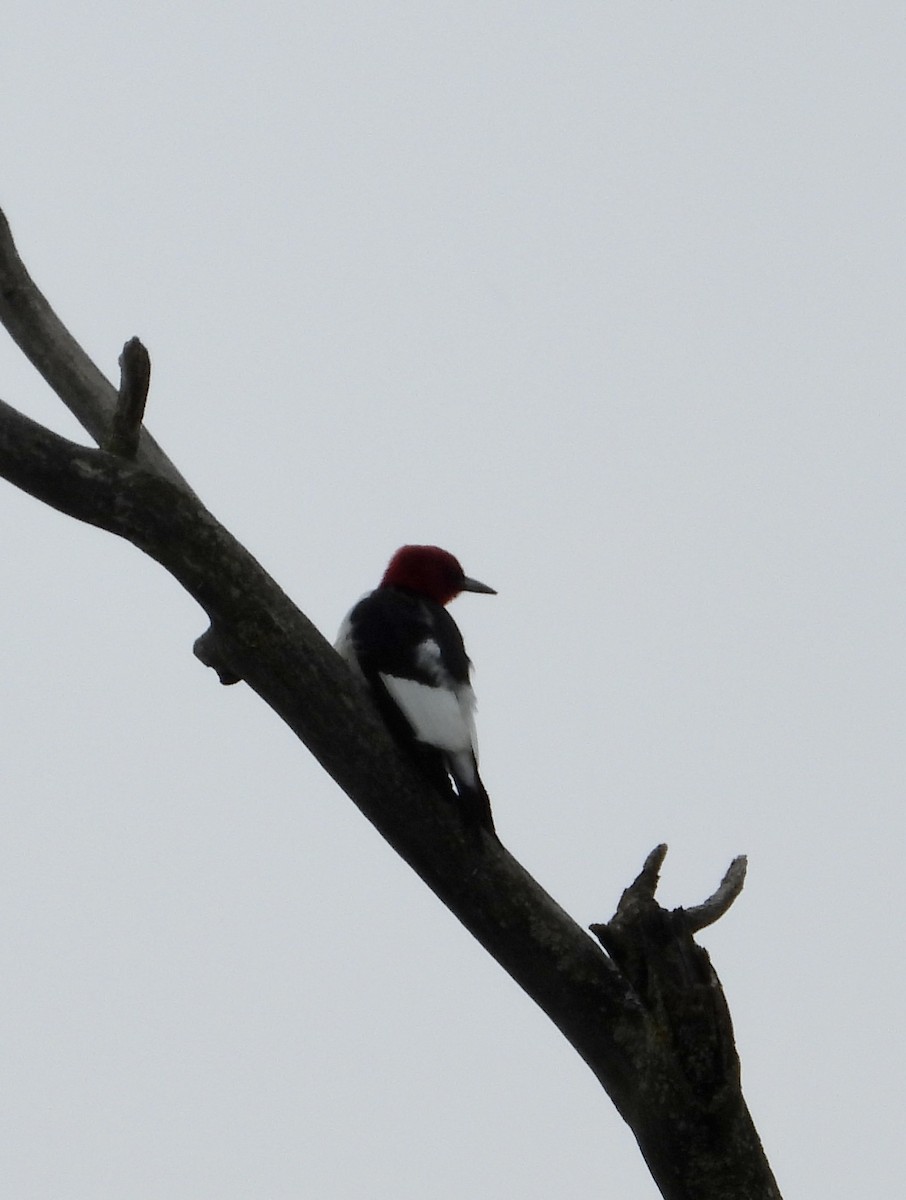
701 1138
57 356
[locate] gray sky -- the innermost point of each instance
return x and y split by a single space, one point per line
607 300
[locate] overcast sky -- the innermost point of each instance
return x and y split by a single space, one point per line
606 299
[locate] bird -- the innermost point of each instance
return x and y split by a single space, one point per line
408 648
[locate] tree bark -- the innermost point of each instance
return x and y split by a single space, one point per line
646 1012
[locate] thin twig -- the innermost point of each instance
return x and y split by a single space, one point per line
702 915
135 379
645 883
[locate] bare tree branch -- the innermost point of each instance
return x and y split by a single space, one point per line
53 351
694 1129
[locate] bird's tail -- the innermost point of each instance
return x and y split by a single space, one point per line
475 803
462 784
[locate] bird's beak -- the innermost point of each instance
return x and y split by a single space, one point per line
472 585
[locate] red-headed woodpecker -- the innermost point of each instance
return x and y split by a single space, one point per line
401 638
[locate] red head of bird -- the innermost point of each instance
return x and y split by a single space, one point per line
430 572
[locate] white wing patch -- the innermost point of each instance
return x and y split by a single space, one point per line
443 717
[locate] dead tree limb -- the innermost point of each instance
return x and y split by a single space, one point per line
648 1016
692 1124
57 356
